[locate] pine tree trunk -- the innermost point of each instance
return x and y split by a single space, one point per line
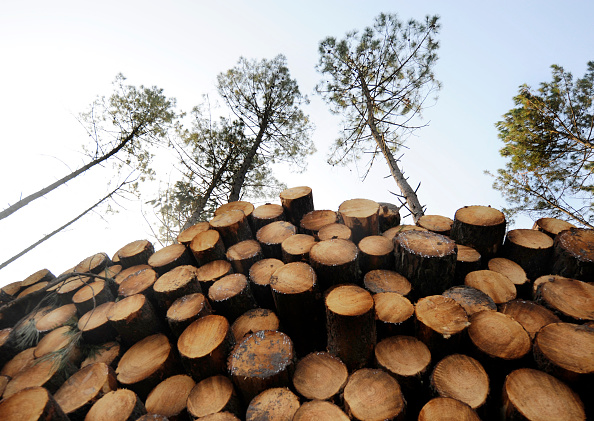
335 262
186 310
260 274
361 216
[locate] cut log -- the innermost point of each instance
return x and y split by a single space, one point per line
180 281
534 395
169 397
111 272
95 327
373 395
467 260
108 353
568 298
135 253
212 272
56 318
19 362
220 416
441 322
243 255
84 388
541 280
381 280
153 417
335 262
63 340
279 404
393 314
514 272
45 373
461 377
31 404
297 202
186 310
186 236
266 214
204 346
9 292
169 257
375 252
497 286
43 275
530 315
146 364
552 226
207 246
313 221
299 306
320 375
33 288
394 231
261 361
253 321
246 207
319 411
231 296
94 264
479 227
134 319
334 231
573 254
260 274
361 216
296 248
532 250
92 295
447 409
389 216
471 299
139 283
350 323
436 223
233 226
3 382
212 395
272 236
118 405
121 276
498 336
66 290
427 260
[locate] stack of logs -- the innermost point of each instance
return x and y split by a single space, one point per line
284 312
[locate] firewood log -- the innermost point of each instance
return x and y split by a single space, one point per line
530 315
186 236
335 262
515 273
471 299
56 318
320 375
260 274
373 394
60 339
95 327
350 323
31 404
33 288
45 373
570 299
389 216
313 221
393 314
246 207
243 255
447 409
169 397
108 353
94 264
361 216
497 286
271 237
139 283
212 395
552 226
9 292
135 253
92 295
467 260
231 296
179 281
394 231
532 250
573 254
334 231
279 404
186 310
381 280
153 417
297 202
220 416
261 361
253 321
296 248
207 246
266 214
43 275
134 319
66 290
169 257
319 411
212 272
436 223
19 362
84 388
118 405
375 252
233 226
479 227
125 273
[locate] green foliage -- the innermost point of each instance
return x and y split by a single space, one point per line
549 144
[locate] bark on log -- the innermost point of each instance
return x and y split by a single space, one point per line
231 296
447 409
427 260
373 395
56 318
253 321
436 223
573 254
92 295
233 226
467 260
108 353
552 226
9 292
479 227
180 281
213 395
320 375
335 231
313 221
380 280
296 248
532 250
118 405
540 281
31 404
530 394
260 274
169 397
272 236
297 202
471 299
134 319
279 404
243 255
319 411
146 364
169 257
389 216
266 214
186 310
212 272
33 288
530 315
204 346
350 323
186 236
375 252
43 275
515 273
95 327
497 286
361 216
139 283
84 388
135 253
94 264
261 361
207 246
393 314
335 262
570 299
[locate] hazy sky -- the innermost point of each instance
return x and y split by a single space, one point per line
56 57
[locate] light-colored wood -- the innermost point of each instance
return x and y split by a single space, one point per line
479 227
169 397
405 357
573 254
394 231
498 335
271 237
279 404
253 321
319 411
118 405
138 283
95 327
231 296
552 226
569 298
56 318
335 262
179 281
320 375
169 257
376 252
313 221
44 373
59 339
530 315
393 313
185 310
436 223
334 231
380 280
447 409
497 286
461 377
122 275
246 207
207 246
94 264
471 299
389 216
42 275
266 214
19 362
31 404
108 353
297 202
296 248
467 260
212 272
135 253
212 395
233 226
33 288
92 295
260 274
514 272
361 216
243 255
531 249
134 318
186 236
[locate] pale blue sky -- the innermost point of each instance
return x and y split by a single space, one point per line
57 56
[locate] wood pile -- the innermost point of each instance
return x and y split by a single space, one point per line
286 312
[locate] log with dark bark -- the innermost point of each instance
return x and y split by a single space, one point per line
266 214
471 299
212 272
56 318
296 248
436 223
272 236
467 260
393 314
361 216
169 397
497 286
335 262
261 361
169 257
186 236
118 405
33 288
84 388
479 227
94 264
427 260
213 395
313 221
297 202
253 321
279 404
231 296
319 411
515 273
43 275
108 353
532 250
233 226
447 409
243 255
204 346
9 292
530 315
573 254
186 310
135 253
66 290
94 325
207 246
350 324
381 280
389 216
31 404
375 252
134 318
260 274
320 375
92 295
552 226
570 299
373 395
334 231
180 281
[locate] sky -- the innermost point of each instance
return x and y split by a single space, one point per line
57 57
